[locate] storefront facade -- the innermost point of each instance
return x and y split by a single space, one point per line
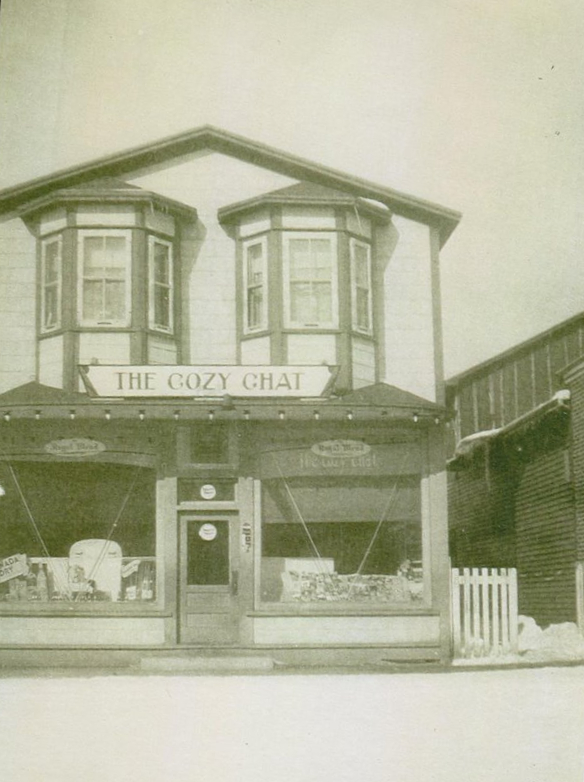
221 422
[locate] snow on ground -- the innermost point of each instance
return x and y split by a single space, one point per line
474 726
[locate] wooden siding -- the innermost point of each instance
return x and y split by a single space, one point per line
546 539
508 387
480 508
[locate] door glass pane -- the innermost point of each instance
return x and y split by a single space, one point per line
208 553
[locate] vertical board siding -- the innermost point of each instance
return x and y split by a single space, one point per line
481 519
514 385
546 540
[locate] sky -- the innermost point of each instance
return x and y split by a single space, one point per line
474 104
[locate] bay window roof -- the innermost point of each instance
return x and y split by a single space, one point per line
306 194
106 190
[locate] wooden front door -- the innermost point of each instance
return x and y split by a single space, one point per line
209 576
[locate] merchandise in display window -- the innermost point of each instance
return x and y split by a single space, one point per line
77 533
332 540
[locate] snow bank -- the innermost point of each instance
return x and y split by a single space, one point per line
557 643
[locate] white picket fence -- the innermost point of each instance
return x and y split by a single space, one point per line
484 612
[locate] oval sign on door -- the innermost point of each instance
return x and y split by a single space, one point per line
208 532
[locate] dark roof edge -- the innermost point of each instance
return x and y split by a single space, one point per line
227 213
505 354
107 196
254 152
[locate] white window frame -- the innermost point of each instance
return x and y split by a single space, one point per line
82 235
58 283
152 241
263 323
354 243
332 236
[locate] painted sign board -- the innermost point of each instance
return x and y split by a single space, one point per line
13 566
74 446
343 457
206 381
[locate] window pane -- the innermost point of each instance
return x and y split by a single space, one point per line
300 264
322 301
93 257
361 267
51 262
161 306
254 307
51 316
254 264
115 301
302 309
363 321
92 300
321 254
115 257
161 263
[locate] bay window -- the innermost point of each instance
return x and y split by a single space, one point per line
104 278
255 281
161 300
310 277
361 286
51 283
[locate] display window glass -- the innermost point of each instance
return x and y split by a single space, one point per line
77 533
342 541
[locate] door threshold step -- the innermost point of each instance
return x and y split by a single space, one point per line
170 664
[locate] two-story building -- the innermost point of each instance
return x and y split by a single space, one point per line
221 411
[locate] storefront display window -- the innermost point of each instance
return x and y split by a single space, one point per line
77 533
342 540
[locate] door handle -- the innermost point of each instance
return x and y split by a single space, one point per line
234 581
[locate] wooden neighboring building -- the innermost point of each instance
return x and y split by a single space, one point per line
516 479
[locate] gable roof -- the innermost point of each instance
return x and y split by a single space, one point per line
216 140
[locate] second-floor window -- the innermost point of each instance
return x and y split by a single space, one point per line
161 285
310 274
104 278
361 286
51 274
255 278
